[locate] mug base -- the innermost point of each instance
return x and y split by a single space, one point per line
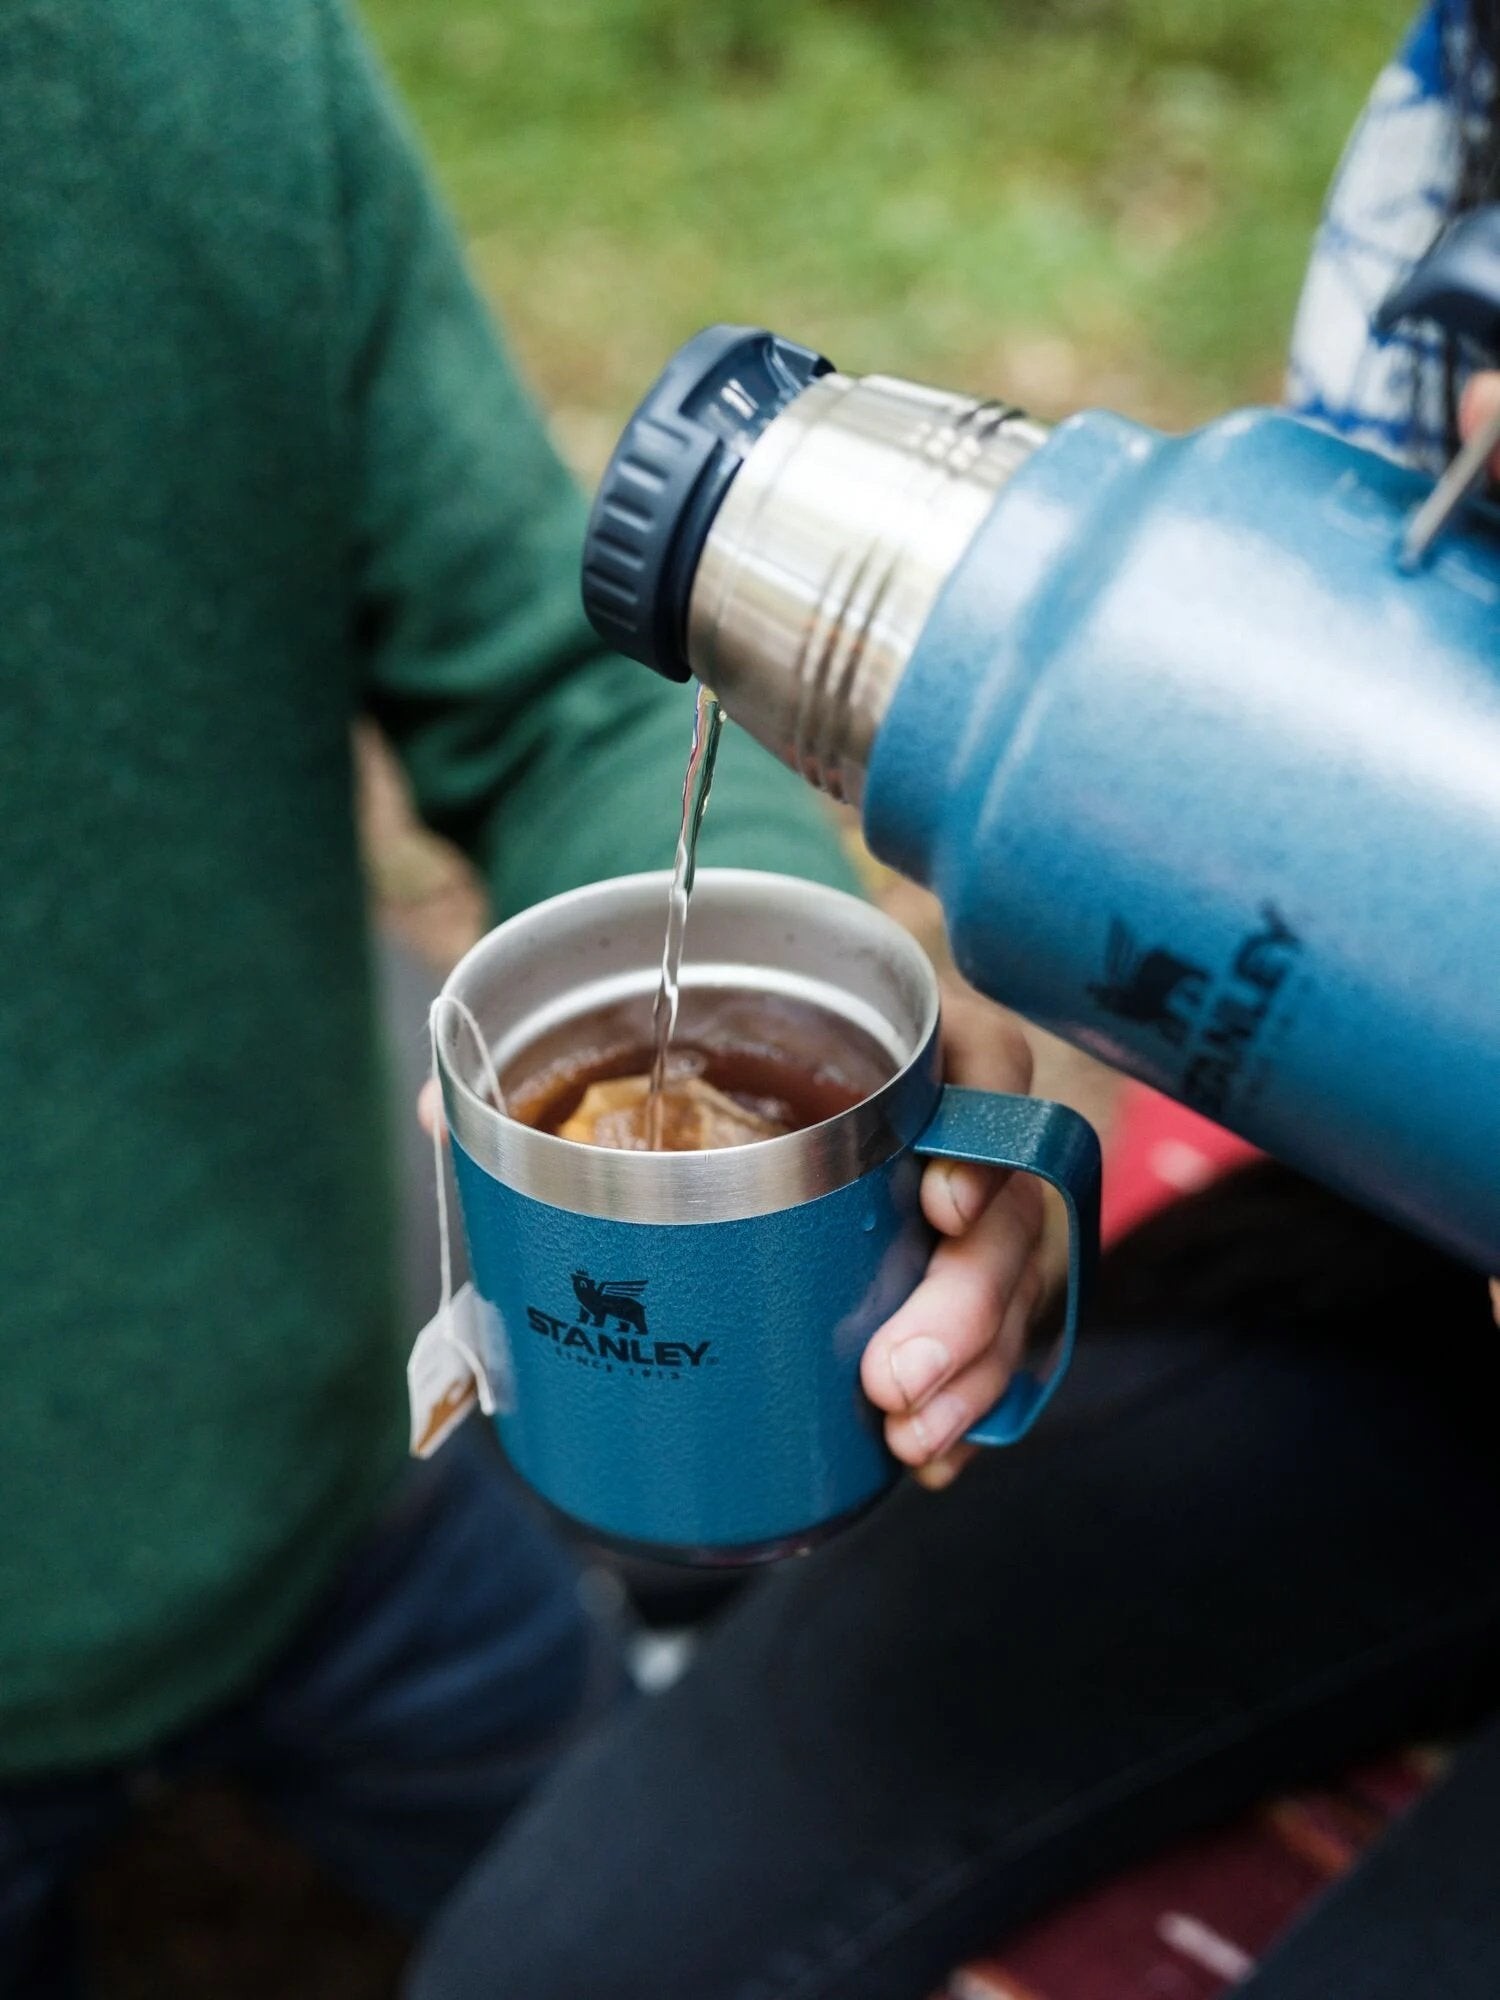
734 1555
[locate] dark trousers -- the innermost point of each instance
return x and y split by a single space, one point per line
446 1669
1259 1537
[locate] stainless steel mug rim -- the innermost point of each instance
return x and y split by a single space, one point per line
748 930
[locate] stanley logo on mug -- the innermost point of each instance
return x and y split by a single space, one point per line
610 1330
616 1298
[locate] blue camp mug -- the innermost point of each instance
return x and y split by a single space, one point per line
673 1339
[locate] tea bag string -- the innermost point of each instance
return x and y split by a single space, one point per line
451 1334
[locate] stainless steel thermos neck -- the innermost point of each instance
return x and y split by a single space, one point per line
828 553
782 532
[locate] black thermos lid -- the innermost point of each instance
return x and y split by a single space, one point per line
671 469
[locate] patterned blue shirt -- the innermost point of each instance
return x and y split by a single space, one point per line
1392 193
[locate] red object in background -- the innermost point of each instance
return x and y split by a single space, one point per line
1191 1924
1157 1153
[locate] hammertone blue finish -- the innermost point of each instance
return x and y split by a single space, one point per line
1208 787
717 1407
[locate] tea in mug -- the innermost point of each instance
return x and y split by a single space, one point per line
742 1067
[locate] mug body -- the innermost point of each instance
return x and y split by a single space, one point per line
693 1391
673 1339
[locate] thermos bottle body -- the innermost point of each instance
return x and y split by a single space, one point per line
1204 782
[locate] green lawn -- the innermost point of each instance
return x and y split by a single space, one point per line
1062 200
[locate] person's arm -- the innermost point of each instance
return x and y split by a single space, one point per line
550 761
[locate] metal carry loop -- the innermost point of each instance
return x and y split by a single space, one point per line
1060 1147
1457 286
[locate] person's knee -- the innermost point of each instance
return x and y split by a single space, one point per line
459 1957
429 1977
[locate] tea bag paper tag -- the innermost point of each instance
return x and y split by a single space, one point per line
441 1383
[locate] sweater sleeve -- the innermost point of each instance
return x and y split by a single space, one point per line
550 760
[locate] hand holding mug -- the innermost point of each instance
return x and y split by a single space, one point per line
946 1355
676 1342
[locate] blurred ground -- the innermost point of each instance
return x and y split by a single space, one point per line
205 1901
1061 201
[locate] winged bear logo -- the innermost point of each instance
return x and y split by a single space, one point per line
613 1298
1149 986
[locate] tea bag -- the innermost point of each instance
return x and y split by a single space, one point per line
695 1117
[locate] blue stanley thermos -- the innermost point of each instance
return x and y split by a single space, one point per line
1205 777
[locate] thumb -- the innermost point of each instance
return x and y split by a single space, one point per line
1479 402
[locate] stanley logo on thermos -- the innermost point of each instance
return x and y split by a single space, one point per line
1156 987
610 1330
1217 1024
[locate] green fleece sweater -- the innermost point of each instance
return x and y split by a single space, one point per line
263 467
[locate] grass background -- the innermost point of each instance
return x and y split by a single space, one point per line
1065 201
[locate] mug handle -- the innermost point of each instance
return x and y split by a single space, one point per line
1061 1148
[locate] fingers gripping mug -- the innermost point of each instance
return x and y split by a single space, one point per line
673 1339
